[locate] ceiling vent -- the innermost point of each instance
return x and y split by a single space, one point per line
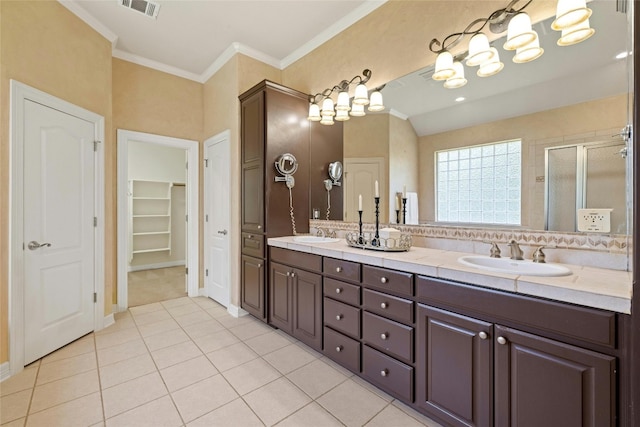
149 8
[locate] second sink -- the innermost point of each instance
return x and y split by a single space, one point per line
506 265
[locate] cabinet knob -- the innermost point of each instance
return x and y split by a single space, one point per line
259 227
259 265
339 348
502 340
288 274
338 290
338 269
384 305
293 274
483 335
384 279
250 236
384 373
339 317
384 335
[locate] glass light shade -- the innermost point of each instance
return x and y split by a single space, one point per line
343 101
570 13
327 107
314 112
357 110
519 32
457 80
528 53
342 115
479 50
375 103
444 66
576 34
491 67
326 120
361 96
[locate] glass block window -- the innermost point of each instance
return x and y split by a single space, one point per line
480 184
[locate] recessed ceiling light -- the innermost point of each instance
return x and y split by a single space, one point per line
460 99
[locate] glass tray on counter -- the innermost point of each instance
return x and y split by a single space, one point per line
369 241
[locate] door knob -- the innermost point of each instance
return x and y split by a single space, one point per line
33 245
223 232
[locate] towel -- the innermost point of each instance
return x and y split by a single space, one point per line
412 208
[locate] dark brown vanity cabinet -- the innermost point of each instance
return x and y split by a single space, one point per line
295 295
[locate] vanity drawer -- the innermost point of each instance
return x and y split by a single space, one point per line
342 349
392 281
389 336
342 317
343 270
253 245
388 373
342 291
302 260
387 305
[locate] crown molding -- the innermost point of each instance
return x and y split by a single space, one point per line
398 114
130 57
105 32
232 50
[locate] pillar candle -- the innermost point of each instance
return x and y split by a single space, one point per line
360 202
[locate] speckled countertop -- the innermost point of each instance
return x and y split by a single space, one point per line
591 287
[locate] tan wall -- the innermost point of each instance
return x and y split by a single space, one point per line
67 59
403 159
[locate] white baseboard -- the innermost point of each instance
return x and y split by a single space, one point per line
236 311
167 264
109 320
5 371
202 292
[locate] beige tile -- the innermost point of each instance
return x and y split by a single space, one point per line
14 406
351 403
228 321
175 354
23 380
121 323
289 358
20 422
126 370
84 411
157 413
184 309
217 311
200 329
60 391
151 317
267 343
191 318
415 414
392 416
276 401
116 338
148 308
166 339
83 345
373 389
250 330
186 373
235 413
344 371
215 341
231 356
312 415
251 375
128 395
158 327
66 368
207 303
177 302
121 352
203 397
316 378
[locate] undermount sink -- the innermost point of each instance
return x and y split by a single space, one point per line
315 239
507 265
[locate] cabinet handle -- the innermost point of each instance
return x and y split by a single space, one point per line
483 335
384 335
384 279
339 317
502 340
384 373
384 305
338 290
338 269
339 348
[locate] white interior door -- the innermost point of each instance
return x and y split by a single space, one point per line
360 176
217 218
58 232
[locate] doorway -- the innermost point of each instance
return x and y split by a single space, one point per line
157 218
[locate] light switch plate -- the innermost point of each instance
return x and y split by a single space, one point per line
594 220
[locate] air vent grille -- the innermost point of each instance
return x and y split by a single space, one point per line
148 8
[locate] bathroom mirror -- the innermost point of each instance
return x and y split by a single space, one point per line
574 94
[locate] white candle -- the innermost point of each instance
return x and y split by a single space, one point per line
397 203
377 192
360 202
404 191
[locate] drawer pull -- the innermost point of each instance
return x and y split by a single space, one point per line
250 236
339 348
384 373
288 274
483 335
384 335
338 290
338 269
502 340
293 274
259 227
339 317
384 305
384 279
259 265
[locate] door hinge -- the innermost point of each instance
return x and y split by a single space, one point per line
206 163
186 165
186 270
95 145
95 297
206 218
206 272
186 218
95 221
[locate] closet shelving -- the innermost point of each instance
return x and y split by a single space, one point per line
150 216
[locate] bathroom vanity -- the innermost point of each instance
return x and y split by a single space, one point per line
464 346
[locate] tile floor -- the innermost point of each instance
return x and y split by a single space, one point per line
186 362
160 284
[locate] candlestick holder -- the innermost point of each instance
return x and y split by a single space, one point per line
360 237
397 216
404 210
376 240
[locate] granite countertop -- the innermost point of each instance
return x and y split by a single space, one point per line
588 286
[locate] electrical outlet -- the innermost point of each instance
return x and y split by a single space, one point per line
594 220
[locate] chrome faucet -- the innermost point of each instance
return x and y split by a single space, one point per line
494 252
516 252
320 232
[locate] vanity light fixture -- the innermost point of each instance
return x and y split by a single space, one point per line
342 110
457 80
576 34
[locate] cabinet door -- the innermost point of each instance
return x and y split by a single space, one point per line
253 128
454 367
540 382
253 197
280 297
253 286
307 308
